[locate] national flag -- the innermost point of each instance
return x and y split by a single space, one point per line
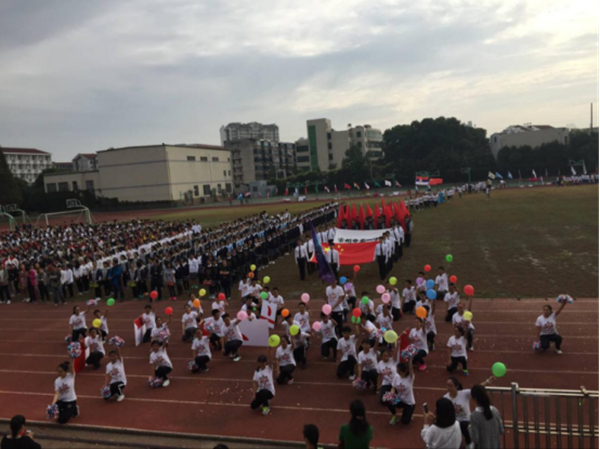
306 190
325 271
327 189
139 329
422 180
369 211
388 183
499 176
268 312
436 181
491 175
534 173
347 186
361 217
398 184
352 253
367 186
335 188
340 216
509 176
377 186
357 186
286 191
573 171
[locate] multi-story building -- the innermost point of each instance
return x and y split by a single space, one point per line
26 163
153 173
85 162
253 130
368 139
527 135
302 154
260 160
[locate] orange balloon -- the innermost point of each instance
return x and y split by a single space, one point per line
251 275
285 313
196 303
421 312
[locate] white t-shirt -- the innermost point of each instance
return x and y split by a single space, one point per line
232 332
369 360
387 371
104 325
547 325
408 294
300 339
368 308
370 328
216 324
117 372
149 320
430 324
156 330
66 388
95 344
219 305
348 347
264 379
243 287
327 331
333 296
303 321
419 339
277 301
462 405
78 321
458 320
385 322
160 358
442 282
285 356
395 298
190 320
452 299
202 346
404 388
458 346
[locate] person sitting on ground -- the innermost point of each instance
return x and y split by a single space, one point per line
19 438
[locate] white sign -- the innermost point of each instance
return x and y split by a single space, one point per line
353 236
268 313
255 332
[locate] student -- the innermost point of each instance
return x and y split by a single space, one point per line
546 324
93 342
19 438
276 300
42 280
300 344
302 317
169 280
346 347
380 254
368 309
160 362
457 351
358 433
418 337
486 424
263 386
367 364
190 302
396 302
64 393
301 258
441 283
220 305
160 331
115 375
442 430
104 327
459 320
453 301
385 320
115 275
77 323
334 296
215 323
311 436
232 338
430 327
329 340
285 364
402 385
149 319
387 368
201 351
408 297
189 324
55 285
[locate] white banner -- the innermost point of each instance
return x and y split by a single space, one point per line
352 236
268 312
255 332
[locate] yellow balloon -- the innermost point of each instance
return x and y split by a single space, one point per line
202 292
97 323
253 267
468 316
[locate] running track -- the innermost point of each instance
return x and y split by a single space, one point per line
216 403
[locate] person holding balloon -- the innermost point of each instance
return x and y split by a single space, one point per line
386 367
385 320
346 348
115 379
93 342
189 324
457 351
453 300
402 389
326 327
334 297
367 306
395 297
195 304
418 337
463 318
149 319
546 324
302 317
430 327
221 303
263 386
300 344
441 283
232 339
160 362
201 352
367 364
408 297
285 363
161 329
77 323
214 326
98 316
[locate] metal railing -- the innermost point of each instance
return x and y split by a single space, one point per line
544 418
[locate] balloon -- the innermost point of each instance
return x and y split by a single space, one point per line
253 267
498 369
316 326
110 302
468 316
285 313
356 312
97 323
349 286
393 281
430 283
365 300
266 280
343 280
453 279
153 294
427 268
386 298
202 292
421 312
264 295
221 297
326 309
294 329
380 289
431 294
355 319
469 290
449 258
390 337
420 280
305 297
196 303
168 311
241 315
274 340
356 268
251 275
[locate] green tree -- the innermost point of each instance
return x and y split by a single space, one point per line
10 189
355 165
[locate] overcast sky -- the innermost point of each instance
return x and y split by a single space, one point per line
82 76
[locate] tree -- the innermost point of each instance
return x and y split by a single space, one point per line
10 191
355 165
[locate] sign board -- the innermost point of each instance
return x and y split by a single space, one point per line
255 332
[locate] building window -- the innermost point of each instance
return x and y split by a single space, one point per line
203 159
358 134
228 188
224 173
329 146
303 159
51 188
215 159
196 191
191 158
328 136
229 172
89 185
218 188
206 189
63 186
75 186
331 157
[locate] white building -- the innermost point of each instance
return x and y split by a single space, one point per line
527 135
85 162
26 163
253 130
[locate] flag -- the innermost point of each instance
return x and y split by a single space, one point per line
340 216
436 181
352 253
377 185
422 181
491 175
376 216
325 272
327 189
354 214
240 196
247 194
296 193
546 173
346 186
357 186
335 188
369 211
509 176
398 184
388 216
387 183
367 186
139 329
584 170
534 173
573 171
306 190
268 312
286 191
361 217
499 176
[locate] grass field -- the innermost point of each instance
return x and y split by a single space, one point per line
527 242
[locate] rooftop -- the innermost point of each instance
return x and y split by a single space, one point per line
22 150
200 146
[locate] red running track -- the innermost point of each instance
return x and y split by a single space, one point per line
217 403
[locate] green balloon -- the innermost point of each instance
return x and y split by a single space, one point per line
274 340
498 369
355 319
110 302
449 258
365 300
264 295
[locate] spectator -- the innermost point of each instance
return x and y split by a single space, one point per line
358 433
442 430
311 436
19 438
486 425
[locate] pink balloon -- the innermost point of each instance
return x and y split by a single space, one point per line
385 298
348 286
380 289
316 326
420 280
326 309
241 315
305 297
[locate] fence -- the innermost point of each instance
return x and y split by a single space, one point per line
544 418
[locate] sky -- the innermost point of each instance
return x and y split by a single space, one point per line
83 76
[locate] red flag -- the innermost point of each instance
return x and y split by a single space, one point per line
376 217
383 204
354 215
352 253
340 216
369 211
346 186
388 215
335 188
361 217
286 191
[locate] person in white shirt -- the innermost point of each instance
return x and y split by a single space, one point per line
214 326
329 339
402 387
367 306
459 320
457 351
309 248
333 257
77 323
346 348
452 299
430 327
441 283
160 362
285 363
277 301
263 386
232 339
244 287
334 295
442 430
161 331
201 352
93 342
189 324
395 301
408 297
380 255
385 320
300 257
149 320
104 327
64 393
418 337
115 375
367 364
302 317
387 368
546 324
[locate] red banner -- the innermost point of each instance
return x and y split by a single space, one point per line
436 181
352 253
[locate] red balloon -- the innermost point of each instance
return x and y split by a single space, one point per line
453 279
469 290
356 312
168 310
221 296
427 268
153 294
356 268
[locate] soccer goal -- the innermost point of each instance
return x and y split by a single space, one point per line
7 219
75 213
14 210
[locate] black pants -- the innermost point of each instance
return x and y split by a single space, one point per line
156 285
66 411
382 267
86 282
440 295
311 266
162 371
396 314
547 339
5 293
188 334
334 268
454 361
68 287
116 389
419 358
261 398
470 333
328 346
302 267
382 391
232 346
215 340
94 359
32 292
300 355
43 290
76 333
450 314
407 239
370 377
409 306
346 367
147 336
407 411
285 374
339 319
202 361
172 292
464 429
79 283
